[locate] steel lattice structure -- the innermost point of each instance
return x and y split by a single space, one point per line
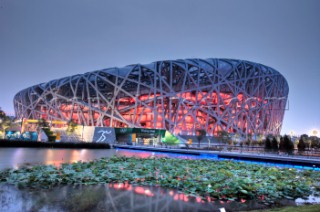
182 96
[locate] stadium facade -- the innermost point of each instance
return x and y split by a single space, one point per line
181 96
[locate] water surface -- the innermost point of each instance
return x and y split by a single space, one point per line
105 197
16 157
113 197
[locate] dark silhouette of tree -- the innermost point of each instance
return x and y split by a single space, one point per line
5 121
301 145
305 139
268 145
281 144
274 144
200 135
314 142
286 144
223 136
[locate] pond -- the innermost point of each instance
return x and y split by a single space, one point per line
106 197
16 157
114 197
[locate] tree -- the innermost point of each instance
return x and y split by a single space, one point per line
2 114
5 122
223 136
72 126
306 140
268 145
200 135
260 138
286 144
170 139
43 124
314 142
274 144
301 145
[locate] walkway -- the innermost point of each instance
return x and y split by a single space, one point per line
301 160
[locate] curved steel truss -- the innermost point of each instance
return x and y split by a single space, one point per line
182 96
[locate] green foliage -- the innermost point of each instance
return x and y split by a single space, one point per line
2 114
49 134
72 126
5 121
218 179
170 139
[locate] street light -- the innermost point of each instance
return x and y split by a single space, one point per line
315 132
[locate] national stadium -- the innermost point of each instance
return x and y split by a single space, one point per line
180 96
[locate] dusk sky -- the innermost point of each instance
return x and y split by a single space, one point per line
42 40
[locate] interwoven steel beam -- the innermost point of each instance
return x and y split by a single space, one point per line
182 96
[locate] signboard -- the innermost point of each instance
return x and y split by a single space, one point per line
12 135
26 136
122 131
104 135
29 136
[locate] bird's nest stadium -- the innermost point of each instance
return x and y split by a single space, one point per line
181 96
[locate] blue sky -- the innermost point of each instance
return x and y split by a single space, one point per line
41 40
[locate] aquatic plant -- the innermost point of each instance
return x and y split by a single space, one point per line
225 180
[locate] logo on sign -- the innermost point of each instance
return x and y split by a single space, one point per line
103 135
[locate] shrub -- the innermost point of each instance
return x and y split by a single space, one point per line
301 145
52 138
170 139
314 142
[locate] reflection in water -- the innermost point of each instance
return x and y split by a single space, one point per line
16 157
112 197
